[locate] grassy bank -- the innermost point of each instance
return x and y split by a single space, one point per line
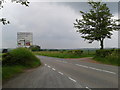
106 56
16 61
0 56
65 54
10 71
112 58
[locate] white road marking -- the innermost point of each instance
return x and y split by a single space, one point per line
58 60
72 79
88 88
49 66
45 64
109 71
64 62
53 69
95 69
82 66
60 73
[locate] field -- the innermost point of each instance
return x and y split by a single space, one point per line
111 59
64 54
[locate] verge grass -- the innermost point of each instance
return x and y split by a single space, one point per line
64 54
16 61
112 59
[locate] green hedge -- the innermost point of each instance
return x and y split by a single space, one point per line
75 52
103 52
108 56
20 56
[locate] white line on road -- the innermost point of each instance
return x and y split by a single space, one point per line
82 66
58 60
109 71
53 69
49 66
64 62
72 79
60 73
88 88
95 69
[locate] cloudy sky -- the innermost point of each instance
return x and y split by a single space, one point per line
51 24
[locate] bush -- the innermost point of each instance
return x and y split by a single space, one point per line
75 52
34 48
103 52
20 56
112 58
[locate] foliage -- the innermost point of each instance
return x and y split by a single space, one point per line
34 48
109 57
10 71
22 2
103 53
65 54
0 56
75 52
96 24
20 56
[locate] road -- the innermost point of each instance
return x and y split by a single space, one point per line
67 73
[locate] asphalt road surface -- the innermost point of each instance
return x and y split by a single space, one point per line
66 73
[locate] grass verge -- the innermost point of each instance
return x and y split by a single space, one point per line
63 54
10 71
16 61
111 58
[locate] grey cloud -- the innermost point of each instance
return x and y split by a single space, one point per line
51 24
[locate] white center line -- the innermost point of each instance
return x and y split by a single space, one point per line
88 88
49 66
109 71
96 69
53 69
82 66
64 62
72 79
58 60
60 73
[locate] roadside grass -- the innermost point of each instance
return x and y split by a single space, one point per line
0 56
16 61
10 71
111 59
64 54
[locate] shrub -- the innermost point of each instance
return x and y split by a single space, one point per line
34 48
75 52
103 52
112 58
20 56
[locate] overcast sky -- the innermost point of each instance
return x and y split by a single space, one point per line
51 24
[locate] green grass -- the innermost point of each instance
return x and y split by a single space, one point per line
112 59
0 56
16 61
64 54
10 71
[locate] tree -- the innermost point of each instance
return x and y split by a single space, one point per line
35 48
23 2
96 24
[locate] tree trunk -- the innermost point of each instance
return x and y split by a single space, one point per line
101 44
